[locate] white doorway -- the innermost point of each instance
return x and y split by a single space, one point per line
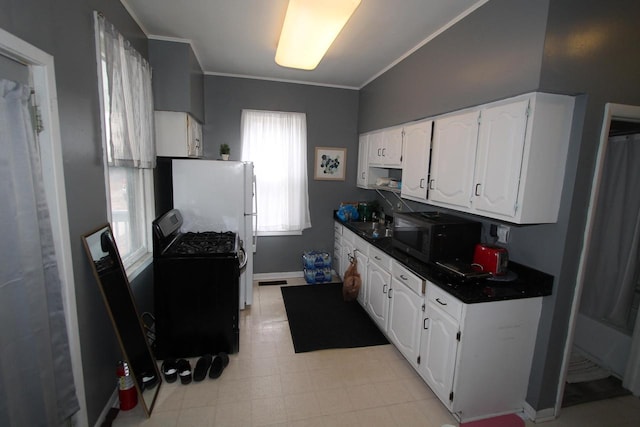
42 75
621 116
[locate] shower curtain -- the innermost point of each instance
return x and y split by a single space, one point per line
611 272
36 380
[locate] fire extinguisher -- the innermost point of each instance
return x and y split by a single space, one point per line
126 389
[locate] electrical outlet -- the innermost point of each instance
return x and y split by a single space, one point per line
503 233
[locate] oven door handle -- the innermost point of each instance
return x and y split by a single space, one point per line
242 258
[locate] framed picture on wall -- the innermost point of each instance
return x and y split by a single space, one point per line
331 163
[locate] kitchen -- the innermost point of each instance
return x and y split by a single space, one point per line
490 66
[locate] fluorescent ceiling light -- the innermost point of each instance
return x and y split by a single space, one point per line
310 27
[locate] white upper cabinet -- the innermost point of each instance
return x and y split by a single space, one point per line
511 165
499 157
415 160
363 161
454 151
177 135
385 148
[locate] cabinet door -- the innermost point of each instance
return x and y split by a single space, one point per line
454 154
438 349
404 324
499 157
375 149
363 161
415 160
378 282
194 137
392 147
362 261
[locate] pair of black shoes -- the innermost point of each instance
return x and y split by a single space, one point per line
213 365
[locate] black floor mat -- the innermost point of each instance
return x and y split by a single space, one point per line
319 319
591 391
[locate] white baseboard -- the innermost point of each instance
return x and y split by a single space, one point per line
273 276
541 416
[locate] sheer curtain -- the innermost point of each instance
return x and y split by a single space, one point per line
612 265
130 100
276 142
36 380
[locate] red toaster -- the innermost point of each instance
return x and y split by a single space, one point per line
492 259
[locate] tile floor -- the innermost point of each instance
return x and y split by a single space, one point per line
267 384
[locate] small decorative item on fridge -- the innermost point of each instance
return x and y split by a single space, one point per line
316 266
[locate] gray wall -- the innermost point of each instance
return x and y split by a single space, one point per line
178 81
505 48
493 53
332 116
64 29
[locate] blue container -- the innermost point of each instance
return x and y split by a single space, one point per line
315 260
317 275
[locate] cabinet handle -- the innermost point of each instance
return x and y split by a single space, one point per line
476 191
379 152
362 175
377 258
383 152
421 182
431 184
403 277
389 293
424 323
440 302
384 289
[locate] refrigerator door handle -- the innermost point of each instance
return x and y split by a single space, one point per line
255 213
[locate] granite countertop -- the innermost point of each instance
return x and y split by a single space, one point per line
523 281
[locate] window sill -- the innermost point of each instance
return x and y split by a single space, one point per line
139 266
278 233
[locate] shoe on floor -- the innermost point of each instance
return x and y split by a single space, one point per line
202 367
170 370
219 362
184 371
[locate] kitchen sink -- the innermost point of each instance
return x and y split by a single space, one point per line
372 230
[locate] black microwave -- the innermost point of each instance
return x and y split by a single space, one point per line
435 236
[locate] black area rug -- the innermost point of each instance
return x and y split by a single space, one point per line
320 319
591 391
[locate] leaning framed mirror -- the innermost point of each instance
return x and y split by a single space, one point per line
109 271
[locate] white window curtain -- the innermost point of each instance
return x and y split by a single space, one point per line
129 100
276 142
36 379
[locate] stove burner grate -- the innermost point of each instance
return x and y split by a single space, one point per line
208 242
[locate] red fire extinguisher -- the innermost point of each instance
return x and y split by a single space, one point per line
126 389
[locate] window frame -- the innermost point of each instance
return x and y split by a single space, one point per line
133 265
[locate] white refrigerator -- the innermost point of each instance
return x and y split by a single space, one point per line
215 195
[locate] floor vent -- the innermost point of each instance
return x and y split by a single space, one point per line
272 282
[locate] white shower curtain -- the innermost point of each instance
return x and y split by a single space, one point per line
612 269
36 380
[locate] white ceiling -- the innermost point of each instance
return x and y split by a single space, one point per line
239 37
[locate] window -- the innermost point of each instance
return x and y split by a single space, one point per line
276 142
127 107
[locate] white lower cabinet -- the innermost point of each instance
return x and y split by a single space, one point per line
378 282
477 357
405 312
439 343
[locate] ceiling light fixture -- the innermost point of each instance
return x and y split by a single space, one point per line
310 27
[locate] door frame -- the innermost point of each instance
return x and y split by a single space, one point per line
611 112
42 69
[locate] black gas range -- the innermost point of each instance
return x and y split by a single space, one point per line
196 289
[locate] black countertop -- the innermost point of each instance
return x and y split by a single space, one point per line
525 282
